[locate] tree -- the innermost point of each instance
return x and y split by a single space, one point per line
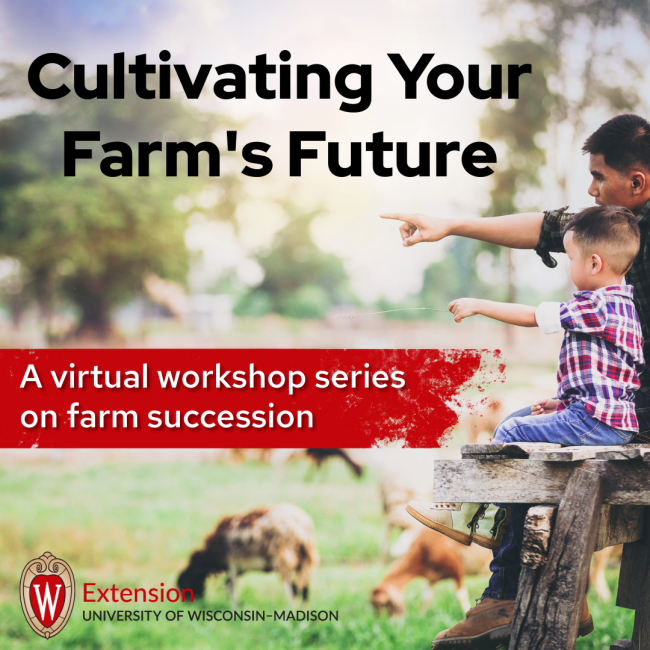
519 128
592 71
93 240
90 239
573 50
300 280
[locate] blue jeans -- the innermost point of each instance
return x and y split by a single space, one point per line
570 427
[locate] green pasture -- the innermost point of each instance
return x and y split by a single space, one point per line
135 525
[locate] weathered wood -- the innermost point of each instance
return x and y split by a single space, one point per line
641 632
511 449
528 579
620 525
485 457
624 453
564 455
554 452
547 614
633 585
621 645
537 534
530 481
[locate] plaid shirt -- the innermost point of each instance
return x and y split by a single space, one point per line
601 352
551 241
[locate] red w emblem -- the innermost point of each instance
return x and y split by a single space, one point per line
47 594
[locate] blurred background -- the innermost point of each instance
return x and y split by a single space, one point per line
244 262
271 262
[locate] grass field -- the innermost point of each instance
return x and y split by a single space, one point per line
135 525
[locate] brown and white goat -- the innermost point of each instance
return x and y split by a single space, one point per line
434 557
277 538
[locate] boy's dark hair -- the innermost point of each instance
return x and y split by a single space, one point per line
624 141
611 231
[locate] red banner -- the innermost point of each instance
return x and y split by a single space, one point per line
235 398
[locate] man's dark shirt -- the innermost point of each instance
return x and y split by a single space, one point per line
551 241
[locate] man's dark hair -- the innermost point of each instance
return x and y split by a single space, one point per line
611 231
624 141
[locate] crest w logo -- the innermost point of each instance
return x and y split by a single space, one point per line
47 594
46 600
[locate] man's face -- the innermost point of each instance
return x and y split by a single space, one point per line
608 186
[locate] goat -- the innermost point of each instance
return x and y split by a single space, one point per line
434 557
319 456
277 538
404 475
599 562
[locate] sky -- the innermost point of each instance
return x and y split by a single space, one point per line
333 33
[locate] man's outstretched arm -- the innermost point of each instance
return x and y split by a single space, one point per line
513 230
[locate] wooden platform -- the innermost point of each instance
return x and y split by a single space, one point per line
593 497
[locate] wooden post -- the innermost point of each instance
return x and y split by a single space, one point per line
549 602
537 535
620 525
634 586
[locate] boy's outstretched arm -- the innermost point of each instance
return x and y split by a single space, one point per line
513 230
506 312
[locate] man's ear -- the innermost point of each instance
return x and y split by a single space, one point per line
639 181
596 264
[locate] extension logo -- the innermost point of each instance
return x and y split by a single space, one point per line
47 594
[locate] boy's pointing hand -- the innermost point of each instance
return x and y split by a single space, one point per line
463 308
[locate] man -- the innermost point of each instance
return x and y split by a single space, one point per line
619 162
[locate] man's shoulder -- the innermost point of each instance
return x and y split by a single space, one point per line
643 215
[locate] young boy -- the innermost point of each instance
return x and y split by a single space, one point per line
600 359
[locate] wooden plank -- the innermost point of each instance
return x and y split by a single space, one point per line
531 481
564 455
537 534
554 452
634 586
641 632
528 579
513 450
619 454
572 454
547 615
620 525
624 453
633 580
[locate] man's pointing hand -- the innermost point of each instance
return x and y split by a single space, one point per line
418 227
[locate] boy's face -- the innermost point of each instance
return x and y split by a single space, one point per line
582 268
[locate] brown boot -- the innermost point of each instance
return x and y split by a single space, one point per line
485 626
489 625
586 621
